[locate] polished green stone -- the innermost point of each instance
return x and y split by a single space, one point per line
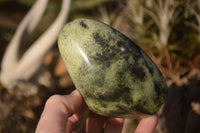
114 76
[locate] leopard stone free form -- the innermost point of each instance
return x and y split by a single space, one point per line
114 75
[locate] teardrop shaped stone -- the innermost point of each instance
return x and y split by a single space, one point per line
114 76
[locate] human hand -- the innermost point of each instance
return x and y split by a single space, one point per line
61 113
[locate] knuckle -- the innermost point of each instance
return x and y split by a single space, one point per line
54 100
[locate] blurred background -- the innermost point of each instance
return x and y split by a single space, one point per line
167 30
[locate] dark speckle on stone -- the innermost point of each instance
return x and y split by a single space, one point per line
137 72
114 96
84 25
101 57
159 93
99 39
149 67
135 50
120 44
126 97
157 89
139 106
104 105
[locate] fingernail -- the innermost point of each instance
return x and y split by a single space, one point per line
74 93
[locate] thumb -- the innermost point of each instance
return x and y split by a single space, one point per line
56 112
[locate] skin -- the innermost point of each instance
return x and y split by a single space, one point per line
61 113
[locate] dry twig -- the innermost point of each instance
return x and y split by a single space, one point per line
15 69
164 17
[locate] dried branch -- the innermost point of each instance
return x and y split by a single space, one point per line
152 15
136 10
193 25
34 55
104 15
136 15
14 69
164 16
10 58
196 14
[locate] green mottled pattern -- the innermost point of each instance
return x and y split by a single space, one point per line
114 75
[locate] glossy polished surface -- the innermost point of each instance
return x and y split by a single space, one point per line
115 76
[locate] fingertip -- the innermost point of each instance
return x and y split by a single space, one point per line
95 123
147 125
114 125
117 120
75 93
